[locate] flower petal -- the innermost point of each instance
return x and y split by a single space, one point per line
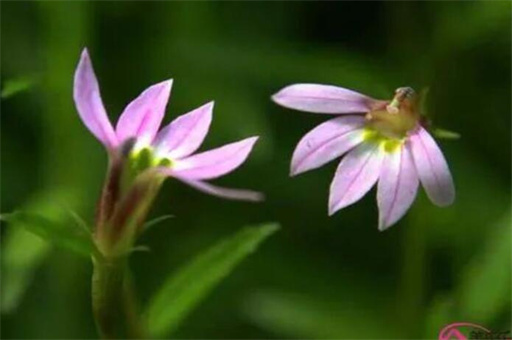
233 194
86 93
357 173
397 188
215 163
326 142
432 168
323 99
142 117
185 134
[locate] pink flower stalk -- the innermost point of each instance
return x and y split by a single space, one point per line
172 148
384 142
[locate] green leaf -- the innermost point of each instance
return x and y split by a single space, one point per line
23 252
445 134
80 222
155 221
185 289
60 234
14 86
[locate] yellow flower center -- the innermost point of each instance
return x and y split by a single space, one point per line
387 144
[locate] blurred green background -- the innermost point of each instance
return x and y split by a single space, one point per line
318 277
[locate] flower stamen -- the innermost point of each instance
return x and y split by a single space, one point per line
398 118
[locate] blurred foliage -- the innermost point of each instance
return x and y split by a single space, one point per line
302 316
66 235
17 85
490 268
185 289
22 251
318 277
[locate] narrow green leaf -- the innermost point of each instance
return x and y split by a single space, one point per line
62 235
12 87
80 222
155 221
445 134
23 252
184 289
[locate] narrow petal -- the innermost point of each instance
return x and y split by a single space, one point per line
185 134
215 163
323 99
86 94
398 184
326 142
357 173
142 117
233 194
432 168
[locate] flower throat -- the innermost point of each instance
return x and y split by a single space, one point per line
395 119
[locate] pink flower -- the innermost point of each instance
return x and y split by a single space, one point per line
384 142
172 148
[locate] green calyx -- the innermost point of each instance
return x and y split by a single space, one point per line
127 197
